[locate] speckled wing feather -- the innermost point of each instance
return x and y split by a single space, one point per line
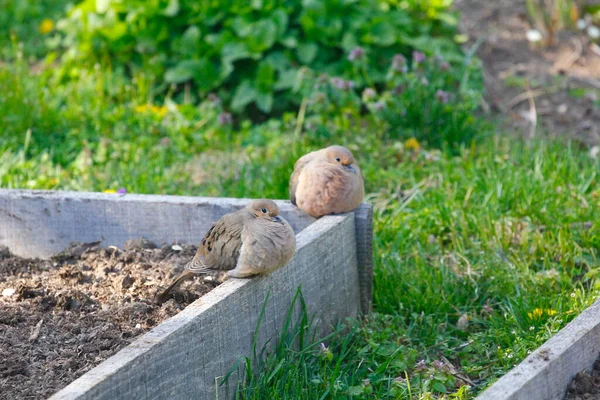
220 247
298 167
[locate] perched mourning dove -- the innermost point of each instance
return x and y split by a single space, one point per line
252 241
327 181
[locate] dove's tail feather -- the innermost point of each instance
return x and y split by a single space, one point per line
197 266
194 267
164 295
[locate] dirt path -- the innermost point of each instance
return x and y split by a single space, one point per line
564 80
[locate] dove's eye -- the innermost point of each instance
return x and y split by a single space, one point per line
338 159
263 210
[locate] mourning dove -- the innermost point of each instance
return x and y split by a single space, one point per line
327 181
252 241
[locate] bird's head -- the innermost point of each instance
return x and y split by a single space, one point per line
266 209
340 155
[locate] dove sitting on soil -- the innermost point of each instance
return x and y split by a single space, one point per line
327 181
255 240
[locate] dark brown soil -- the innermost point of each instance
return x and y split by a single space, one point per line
59 318
564 79
585 385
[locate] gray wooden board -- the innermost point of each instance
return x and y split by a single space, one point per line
43 223
546 373
182 357
185 357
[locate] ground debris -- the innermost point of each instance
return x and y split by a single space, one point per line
585 385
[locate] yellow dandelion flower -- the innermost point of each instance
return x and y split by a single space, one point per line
109 191
141 108
537 313
412 144
156 110
160 111
46 26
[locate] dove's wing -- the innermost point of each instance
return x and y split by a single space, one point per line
220 247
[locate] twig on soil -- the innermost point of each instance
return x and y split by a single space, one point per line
529 94
462 345
455 372
36 331
532 113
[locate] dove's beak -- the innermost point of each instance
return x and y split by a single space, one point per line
276 218
351 168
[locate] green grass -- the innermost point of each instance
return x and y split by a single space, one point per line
462 239
479 257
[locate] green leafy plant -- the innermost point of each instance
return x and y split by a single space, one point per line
428 99
251 52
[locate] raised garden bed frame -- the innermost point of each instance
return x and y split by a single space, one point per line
188 355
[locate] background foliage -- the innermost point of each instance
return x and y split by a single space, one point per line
251 52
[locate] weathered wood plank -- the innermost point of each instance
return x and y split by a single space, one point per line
182 358
43 223
364 253
546 373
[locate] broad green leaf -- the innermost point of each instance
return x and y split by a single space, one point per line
234 51
226 70
279 60
307 52
349 41
264 101
289 41
286 80
230 53
242 27
311 4
191 37
172 9
265 76
438 387
384 34
244 95
203 71
206 75
281 19
263 35
178 74
115 32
